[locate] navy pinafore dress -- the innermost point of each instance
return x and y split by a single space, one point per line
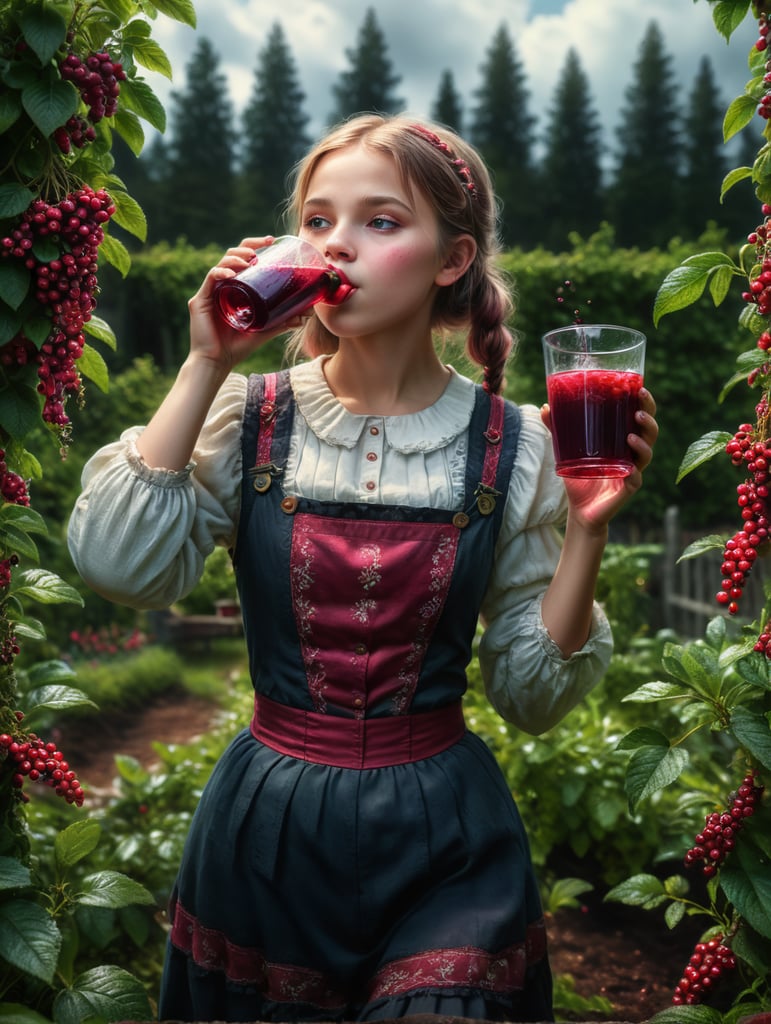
356 854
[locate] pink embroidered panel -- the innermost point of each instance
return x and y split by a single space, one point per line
367 597
453 967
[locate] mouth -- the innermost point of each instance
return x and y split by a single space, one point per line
343 291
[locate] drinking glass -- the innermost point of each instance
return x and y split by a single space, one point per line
594 373
283 280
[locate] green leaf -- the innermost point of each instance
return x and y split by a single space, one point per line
108 993
179 10
728 15
734 177
738 115
76 842
18 541
29 629
139 97
44 30
702 668
129 214
131 770
101 330
638 891
674 914
53 670
651 769
29 939
745 878
752 732
644 736
648 693
15 1013
685 284
10 109
720 284
14 199
116 253
149 54
14 282
700 451
711 542
58 698
45 587
13 874
565 891
19 410
92 365
23 517
687 1015
50 102
113 889
752 948
129 127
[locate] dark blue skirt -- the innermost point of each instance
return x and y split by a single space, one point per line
310 892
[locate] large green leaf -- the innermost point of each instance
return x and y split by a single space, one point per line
29 939
129 215
76 842
753 733
49 101
14 282
92 365
107 993
99 328
14 199
738 115
116 253
686 283
651 769
45 587
179 10
734 177
687 1015
639 891
44 30
745 878
112 889
139 97
19 410
13 874
728 15
129 127
10 109
57 698
15 1013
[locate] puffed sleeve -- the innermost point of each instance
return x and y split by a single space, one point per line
138 535
527 679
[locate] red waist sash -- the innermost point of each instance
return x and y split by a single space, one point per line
356 742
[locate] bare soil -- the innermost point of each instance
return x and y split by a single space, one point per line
629 957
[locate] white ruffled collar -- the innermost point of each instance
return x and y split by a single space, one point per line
423 431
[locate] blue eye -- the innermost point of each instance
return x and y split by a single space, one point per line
384 223
316 223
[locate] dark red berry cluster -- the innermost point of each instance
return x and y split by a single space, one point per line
34 759
718 837
705 968
741 550
13 489
75 132
65 286
97 80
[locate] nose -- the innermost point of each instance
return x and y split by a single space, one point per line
338 245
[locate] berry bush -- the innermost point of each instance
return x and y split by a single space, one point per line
720 685
69 79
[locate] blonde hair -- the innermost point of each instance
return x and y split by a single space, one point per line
454 179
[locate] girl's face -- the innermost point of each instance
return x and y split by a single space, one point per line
383 238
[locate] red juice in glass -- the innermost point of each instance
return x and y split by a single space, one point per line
282 281
592 412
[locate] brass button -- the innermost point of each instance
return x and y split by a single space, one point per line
371 457
358 702
374 431
289 505
262 482
360 649
460 519
486 504
370 485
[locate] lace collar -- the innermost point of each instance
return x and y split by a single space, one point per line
423 431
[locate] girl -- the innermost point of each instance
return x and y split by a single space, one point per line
357 854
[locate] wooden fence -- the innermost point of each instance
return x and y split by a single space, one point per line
688 587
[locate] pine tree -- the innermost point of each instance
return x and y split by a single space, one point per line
502 130
571 171
201 153
447 108
368 85
274 136
704 159
644 197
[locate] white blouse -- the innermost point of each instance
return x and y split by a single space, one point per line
139 535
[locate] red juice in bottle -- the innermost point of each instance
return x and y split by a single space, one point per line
592 411
276 294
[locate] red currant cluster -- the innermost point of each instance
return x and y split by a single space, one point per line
34 759
66 286
708 962
718 837
96 79
75 132
12 488
741 550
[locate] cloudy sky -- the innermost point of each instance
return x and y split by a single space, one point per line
425 37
